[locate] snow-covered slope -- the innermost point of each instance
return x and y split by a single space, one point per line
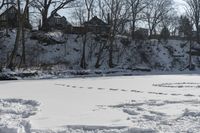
66 55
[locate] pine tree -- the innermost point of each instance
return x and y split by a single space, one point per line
185 27
165 34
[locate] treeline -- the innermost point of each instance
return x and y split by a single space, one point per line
123 16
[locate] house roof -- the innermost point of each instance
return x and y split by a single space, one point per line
58 16
4 10
95 21
142 29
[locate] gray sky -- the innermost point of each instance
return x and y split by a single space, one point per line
179 5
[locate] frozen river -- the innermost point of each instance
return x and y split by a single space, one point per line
167 103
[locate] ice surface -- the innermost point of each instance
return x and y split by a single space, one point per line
141 104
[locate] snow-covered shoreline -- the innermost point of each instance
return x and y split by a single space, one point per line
36 74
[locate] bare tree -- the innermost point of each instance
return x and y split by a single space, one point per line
2 3
22 20
44 6
6 3
101 47
171 21
193 11
117 11
79 14
135 7
155 12
89 4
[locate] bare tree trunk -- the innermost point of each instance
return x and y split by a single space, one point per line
83 61
13 55
101 48
150 33
89 4
110 62
45 20
20 36
190 55
23 59
197 35
133 30
7 25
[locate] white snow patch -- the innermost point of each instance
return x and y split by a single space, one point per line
13 114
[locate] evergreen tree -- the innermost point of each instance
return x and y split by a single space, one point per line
185 27
165 34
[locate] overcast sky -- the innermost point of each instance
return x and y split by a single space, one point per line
179 5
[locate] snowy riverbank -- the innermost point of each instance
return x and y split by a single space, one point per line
37 74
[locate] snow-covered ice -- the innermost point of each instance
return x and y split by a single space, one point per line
129 104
